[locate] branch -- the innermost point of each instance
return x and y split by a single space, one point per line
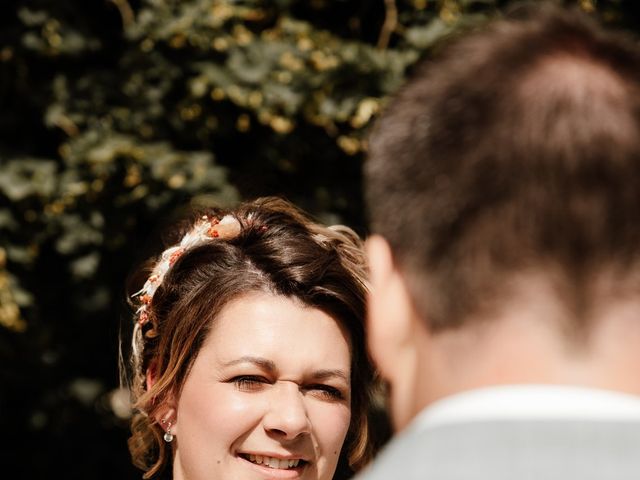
390 23
126 12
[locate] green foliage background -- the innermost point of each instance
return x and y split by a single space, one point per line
117 112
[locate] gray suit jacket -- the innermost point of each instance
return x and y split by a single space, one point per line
513 449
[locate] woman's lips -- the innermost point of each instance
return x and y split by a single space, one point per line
280 462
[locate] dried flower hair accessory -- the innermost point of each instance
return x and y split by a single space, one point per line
202 232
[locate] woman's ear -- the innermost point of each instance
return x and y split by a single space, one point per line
168 420
150 377
166 415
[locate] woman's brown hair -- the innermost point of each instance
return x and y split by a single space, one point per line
278 250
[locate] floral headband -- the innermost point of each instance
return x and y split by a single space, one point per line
202 232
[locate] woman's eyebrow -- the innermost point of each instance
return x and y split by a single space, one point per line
263 363
270 366
329 373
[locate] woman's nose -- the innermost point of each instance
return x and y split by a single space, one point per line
287 415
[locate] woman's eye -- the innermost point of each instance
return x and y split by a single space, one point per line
249 383
326 392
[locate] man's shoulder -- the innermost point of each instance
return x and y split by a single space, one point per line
507 449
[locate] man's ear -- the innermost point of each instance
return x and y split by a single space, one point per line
380 260
396 334
391 314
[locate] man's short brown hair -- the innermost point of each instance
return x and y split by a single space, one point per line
516 149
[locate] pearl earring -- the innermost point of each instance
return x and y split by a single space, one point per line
168 436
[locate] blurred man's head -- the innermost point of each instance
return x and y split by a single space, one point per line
504 182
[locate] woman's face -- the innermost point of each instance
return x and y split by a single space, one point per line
268 395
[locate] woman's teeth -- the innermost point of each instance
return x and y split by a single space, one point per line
274 462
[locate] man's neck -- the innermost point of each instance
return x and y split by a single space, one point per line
524 345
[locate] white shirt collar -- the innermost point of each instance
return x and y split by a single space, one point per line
530 402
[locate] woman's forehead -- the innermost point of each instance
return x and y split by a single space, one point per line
279 329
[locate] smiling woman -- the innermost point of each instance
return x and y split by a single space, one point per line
278 373
248 358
